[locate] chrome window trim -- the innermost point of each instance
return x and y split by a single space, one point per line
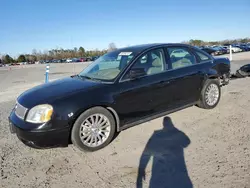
197 63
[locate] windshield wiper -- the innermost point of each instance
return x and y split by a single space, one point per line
87 77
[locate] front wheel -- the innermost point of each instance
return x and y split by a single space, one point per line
93 130
210 94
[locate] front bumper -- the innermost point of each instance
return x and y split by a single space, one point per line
39 139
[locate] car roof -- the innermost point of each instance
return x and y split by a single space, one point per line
142 47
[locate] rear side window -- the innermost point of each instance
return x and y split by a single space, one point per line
202 56
180 57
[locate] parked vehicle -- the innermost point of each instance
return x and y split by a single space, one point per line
244 48
122 88
14 64
94 58
64 60
69 60
219 50
83 59
225 48
76 60
48 61
247 46
227 44
56 61
88 58
234 49
210 50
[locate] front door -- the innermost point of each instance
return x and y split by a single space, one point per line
139 97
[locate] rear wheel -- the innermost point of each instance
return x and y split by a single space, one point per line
93 130
210 94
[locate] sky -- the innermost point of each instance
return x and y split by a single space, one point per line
48 24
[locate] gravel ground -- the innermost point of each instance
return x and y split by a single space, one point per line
197 148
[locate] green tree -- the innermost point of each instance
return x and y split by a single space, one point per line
213 43
21 58
8 59
245 40
196 42
81 51
112 47
30 58
75 52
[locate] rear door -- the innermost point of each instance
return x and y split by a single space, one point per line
184 74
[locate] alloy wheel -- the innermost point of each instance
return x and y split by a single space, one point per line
95 130
212 94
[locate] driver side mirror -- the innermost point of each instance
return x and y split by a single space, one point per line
136 73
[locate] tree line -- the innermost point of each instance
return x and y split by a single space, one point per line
53 54
56 54
81 52
197 42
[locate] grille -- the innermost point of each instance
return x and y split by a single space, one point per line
20 111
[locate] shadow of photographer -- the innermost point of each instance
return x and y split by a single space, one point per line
166 147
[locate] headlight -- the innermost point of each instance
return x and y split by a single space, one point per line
40 114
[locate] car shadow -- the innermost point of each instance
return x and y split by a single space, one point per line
166 147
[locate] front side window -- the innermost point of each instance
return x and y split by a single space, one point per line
180 57
152 62
108 66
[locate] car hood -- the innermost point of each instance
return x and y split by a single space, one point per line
47 93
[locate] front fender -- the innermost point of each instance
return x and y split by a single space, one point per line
69 109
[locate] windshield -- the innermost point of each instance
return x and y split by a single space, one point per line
108 66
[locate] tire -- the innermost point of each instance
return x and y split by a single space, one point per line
241 74
104 139
203 101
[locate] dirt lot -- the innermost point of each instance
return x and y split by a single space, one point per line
197 148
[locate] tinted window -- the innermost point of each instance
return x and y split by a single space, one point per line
180 57
152 62
202 56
